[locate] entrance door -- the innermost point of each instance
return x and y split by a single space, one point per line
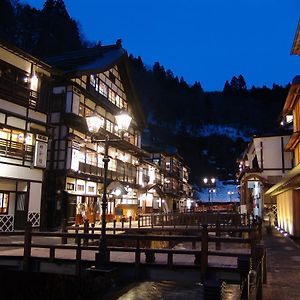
21 210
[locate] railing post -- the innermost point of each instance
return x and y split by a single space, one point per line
139 221
170 259
137 257
218 234
85 231
114 225
78 255
130 219
152 220
27 246
204 251
64 240
123 222
93 230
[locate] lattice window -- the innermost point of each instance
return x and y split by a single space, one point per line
6 223
34 218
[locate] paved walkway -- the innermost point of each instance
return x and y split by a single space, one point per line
283 265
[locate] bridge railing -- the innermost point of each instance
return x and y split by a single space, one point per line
140 241
189 219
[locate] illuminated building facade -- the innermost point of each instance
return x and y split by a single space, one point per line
23 137
86 82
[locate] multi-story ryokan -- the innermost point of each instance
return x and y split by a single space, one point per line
263 164
23 137
51 167
287 191
95 80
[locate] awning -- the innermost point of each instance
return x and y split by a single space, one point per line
290 181
116 188
154 186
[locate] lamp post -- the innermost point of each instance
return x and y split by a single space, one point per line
94 122
230 193
209 183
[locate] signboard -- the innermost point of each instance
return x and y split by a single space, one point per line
40 155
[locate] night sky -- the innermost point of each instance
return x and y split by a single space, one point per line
202 40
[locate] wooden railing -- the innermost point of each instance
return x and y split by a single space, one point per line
194 219
138 241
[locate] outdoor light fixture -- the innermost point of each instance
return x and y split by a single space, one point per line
94 122
209 183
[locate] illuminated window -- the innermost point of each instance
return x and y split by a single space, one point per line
111 96
3 203
80 187
93 80
103 88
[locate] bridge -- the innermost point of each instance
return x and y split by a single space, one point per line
157 246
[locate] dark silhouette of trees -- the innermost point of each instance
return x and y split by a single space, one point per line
176 110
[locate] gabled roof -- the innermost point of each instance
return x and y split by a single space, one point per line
96 60
87 61
296 44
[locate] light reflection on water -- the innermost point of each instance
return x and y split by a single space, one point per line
150 290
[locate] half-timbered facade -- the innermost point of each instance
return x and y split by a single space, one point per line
23 138
90 81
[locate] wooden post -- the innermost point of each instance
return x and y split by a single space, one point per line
93 230
152 220
218 234
123 219
78 256
85 231
64 240
139 221
115 223
130 219
204 251
170 259
27 246
52 253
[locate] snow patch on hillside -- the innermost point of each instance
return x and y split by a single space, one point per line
226 130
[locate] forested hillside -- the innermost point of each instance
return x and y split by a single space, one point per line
209 129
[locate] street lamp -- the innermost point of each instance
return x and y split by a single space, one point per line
209 183
94 122
230 193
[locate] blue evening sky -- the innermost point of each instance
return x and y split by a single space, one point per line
202 40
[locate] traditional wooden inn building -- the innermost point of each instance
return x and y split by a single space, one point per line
287 191
51 165
172 180
263 164
86 82
23 137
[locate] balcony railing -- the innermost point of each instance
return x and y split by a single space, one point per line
13 149
113 175
18 93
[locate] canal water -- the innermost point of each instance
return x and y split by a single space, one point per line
155 290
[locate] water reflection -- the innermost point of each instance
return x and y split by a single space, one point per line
167 290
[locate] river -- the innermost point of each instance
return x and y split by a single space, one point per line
154 290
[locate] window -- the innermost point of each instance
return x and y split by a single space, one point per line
3 203
103 88
93 80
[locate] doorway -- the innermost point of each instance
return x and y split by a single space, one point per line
21 210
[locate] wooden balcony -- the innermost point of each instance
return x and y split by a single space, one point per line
111 175
17 93
17 150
